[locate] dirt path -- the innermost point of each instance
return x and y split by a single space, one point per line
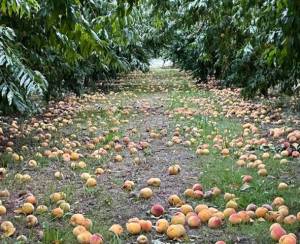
160 157
150 113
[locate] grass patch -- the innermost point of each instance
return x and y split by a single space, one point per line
217 170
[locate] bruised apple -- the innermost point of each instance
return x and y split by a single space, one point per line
146 193
157 210
194 221
161 225
178 218
175 231
214 222
277 232
133 226
146 225
116 229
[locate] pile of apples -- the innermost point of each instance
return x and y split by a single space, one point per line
82 232
189 217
